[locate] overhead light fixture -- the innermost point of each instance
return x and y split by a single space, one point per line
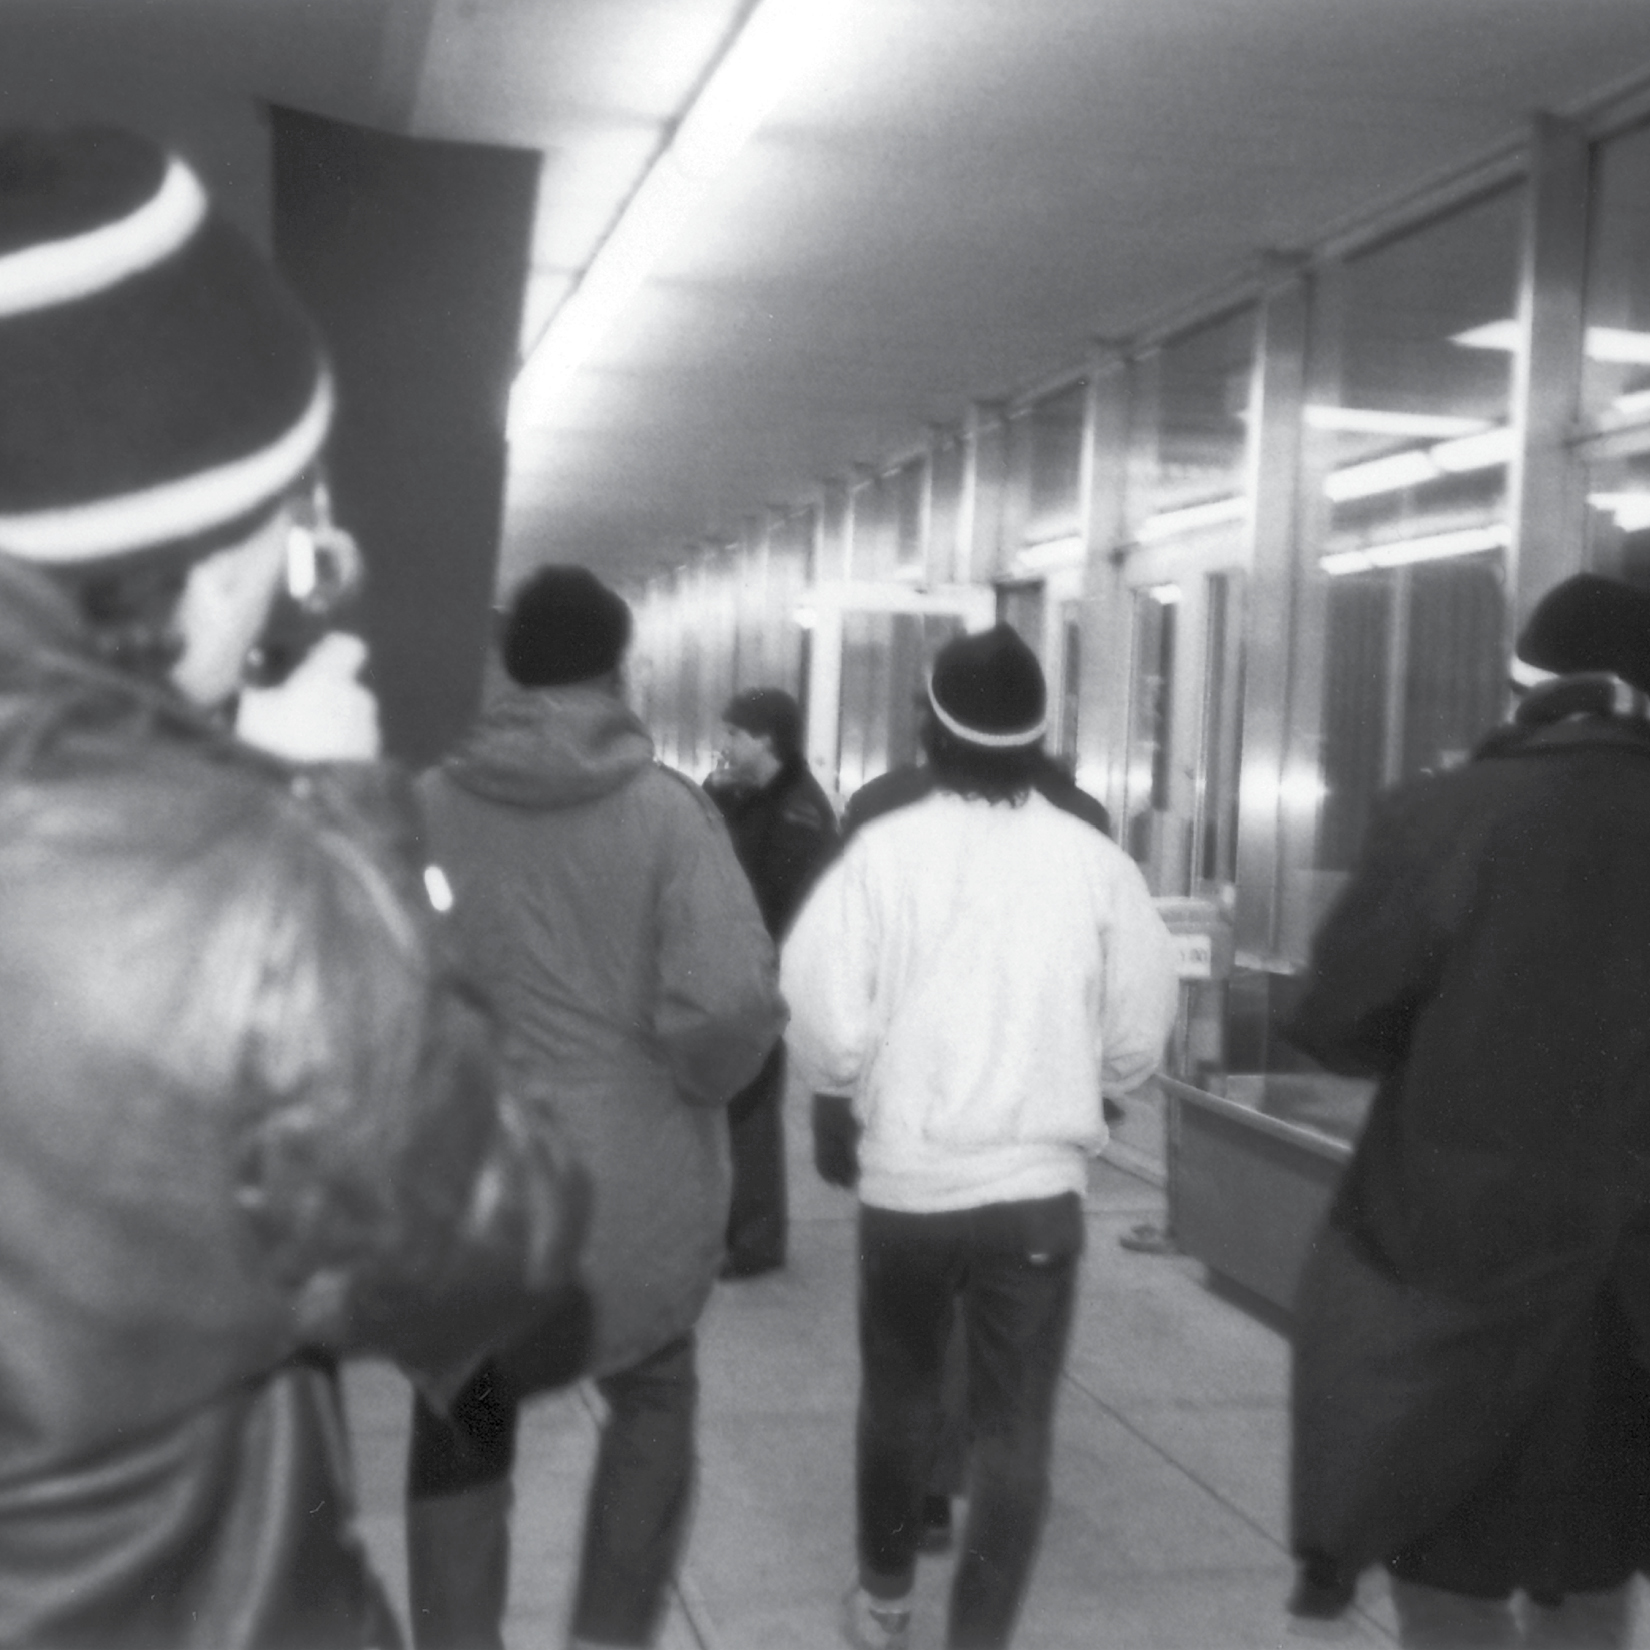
1617 345
1483 450
1380 421
1052 556
1381 475
775 40
1165 595
1168 523
1462 541
1630 509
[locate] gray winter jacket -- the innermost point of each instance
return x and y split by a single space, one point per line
600 901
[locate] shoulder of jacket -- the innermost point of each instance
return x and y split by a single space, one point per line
672 782
886 794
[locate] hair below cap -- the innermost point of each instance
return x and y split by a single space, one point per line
987 689
158 383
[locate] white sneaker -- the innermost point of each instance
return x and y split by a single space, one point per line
870 1623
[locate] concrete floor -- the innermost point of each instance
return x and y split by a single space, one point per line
1167 1531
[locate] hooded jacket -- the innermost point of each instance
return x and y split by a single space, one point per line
600 900
248 1122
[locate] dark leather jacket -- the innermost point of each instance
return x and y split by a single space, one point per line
248 1124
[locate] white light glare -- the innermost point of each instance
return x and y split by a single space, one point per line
1463 541
1631 510
1617 345
778 38
1482 451
1052 556
1168 523
1379 421
1165 595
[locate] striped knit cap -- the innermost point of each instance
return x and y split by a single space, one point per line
987 690
159 387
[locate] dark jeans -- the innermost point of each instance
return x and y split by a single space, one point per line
641 1492
757 1211
1010 1270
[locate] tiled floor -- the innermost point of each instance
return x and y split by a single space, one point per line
1167 1531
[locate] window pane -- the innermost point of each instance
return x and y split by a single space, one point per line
1407 436
1191 437
1616 376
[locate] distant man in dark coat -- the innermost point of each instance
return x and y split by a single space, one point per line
783 830
1471 1397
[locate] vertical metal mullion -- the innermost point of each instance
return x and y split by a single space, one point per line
1266 806
1103 690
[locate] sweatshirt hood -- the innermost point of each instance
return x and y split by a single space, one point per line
544 748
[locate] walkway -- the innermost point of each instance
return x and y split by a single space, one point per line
1167 1531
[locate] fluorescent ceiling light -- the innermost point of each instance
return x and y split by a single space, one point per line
1474 452
1631 404
1381 475
1484 450
1463 541
1379 421
1165 595
1618 345
1050 557
1631 510
776 39
1168 523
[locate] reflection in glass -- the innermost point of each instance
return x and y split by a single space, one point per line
1616 374
1215 849
1191 431
1407 427
1048 460
1618 516
1151 701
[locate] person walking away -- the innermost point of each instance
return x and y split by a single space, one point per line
249 1108
1471 1386
971 969
836 1132
599 899
783 830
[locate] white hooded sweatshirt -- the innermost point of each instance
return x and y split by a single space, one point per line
973 972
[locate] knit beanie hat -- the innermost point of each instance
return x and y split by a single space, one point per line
159 387
565 626
768 713
1594 624
987 689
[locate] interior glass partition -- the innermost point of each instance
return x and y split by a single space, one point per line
1616 368
1401 613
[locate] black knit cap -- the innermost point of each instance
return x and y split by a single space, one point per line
987 690
565 626
159 386
768 712
1590 623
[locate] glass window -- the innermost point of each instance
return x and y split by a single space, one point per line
1215 851
1151 705
1407 443
1618 516
1616 375
1190 441
1048 454
885 662
906 487
1071 680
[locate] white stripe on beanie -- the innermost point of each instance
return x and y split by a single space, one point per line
975 736
173 510
58 272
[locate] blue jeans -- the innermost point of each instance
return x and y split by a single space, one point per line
1010 1270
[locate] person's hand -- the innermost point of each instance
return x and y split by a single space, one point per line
322 712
